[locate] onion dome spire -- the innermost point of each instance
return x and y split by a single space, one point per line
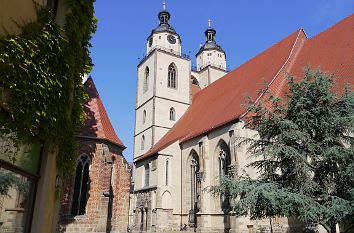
210 40
210 33
164 16
164 21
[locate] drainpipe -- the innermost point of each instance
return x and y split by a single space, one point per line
130 184
128 229
180 146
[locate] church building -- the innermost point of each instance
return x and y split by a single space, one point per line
188 122
96 197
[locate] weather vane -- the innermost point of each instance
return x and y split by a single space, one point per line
209 22
164 5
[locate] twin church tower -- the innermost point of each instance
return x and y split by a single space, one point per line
166 81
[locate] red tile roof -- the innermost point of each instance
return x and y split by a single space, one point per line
97 123
195 89
221 102
332 50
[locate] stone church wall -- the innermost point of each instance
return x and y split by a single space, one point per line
165 202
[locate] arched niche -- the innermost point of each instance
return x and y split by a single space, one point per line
167 200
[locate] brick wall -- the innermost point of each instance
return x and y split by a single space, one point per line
102 173
121 185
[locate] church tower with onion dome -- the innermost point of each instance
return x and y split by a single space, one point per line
211 60
166 86
163 85
211 53
190 122
164 36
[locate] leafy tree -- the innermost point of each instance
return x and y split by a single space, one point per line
9 180
304 155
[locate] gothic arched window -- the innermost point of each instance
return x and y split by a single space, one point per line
172 114
224 159
224 167
146 79
147 175
142 142
144 116
81 187
195 181
166 183
172 76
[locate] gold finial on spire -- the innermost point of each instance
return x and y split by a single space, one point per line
209 22
164 5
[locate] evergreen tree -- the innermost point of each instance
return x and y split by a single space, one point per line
304 154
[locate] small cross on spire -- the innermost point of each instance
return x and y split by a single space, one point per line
209 22
164 5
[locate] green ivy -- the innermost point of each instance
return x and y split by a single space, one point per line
41 73
9 180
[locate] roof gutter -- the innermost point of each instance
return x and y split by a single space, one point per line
103 139
141 158
233 121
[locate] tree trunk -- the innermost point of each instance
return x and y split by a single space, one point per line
271 224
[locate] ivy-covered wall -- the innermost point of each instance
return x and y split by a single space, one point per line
41 69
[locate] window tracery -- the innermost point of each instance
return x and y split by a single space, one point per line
195 188
224 159
81 186
172 75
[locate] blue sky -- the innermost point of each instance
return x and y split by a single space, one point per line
244 29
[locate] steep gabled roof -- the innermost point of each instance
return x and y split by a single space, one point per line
221 102
332 50
97 123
